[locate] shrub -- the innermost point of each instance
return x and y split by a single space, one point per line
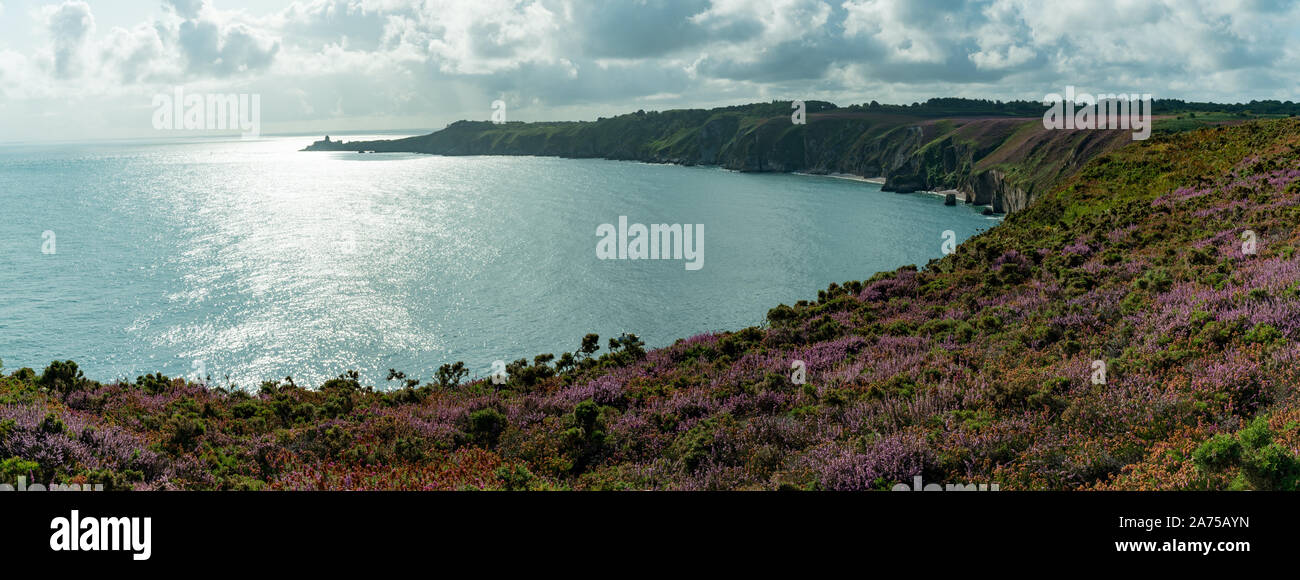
515 477
408 450
585 414
486 425
990 323
25 375
520 372
63 377
586 438
900 385
1263 464
824 329
1217 332
251 408
450 375
1157 280
1256 435
153 384
304 413
348 382
1201 257
693 447
405 396
1272 468
781 315
182 432
114 479
337 406
1044 334
590 344
52 425
1218 453
1262 334
14 467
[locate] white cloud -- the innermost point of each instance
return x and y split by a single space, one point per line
439 60
187 9
136 55
70 26
490 36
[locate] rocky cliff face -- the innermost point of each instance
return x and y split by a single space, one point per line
1001 162
991 188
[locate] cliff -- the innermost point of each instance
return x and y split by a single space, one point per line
1000 161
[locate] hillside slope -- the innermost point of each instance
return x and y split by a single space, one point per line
977 368
999 161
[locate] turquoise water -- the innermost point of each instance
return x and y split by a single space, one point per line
254 261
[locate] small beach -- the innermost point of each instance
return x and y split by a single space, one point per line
848 176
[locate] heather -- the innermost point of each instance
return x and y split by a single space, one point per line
978 367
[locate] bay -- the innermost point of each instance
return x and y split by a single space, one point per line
252 260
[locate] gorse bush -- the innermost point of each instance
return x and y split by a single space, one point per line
62 376
486 425
14 467
153 384
515 477
1252 454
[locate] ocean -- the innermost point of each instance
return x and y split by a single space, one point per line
250 260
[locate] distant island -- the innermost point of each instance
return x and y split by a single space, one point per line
993 153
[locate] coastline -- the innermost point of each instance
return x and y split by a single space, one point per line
848 176
880 181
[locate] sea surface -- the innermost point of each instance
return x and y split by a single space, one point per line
250 260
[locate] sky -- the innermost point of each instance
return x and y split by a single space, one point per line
74 69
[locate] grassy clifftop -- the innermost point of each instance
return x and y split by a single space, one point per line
994 154
981 367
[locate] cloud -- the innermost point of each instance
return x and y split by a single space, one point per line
135 55
362 25
218 45
639 30
217 50
438 60
187 9
491 36
760 44
69 25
